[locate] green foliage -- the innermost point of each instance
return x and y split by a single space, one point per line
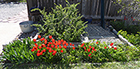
62 23
118 25
19 52
132 38
100 54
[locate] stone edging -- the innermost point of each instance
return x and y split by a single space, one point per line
121 37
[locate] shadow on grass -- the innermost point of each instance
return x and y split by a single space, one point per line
49 66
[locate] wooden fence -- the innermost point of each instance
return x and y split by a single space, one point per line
88 8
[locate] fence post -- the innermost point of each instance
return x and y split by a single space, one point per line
102 14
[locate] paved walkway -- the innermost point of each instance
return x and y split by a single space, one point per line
9 28
103 35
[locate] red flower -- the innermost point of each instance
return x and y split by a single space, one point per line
50 37
96 42
88 50
40 47
105 47
38 54
85 50
111 44
93 48
89 46
41 53
82 44
48 45
50 42
67 44
54 52
70 43
73 48
65 47
47 48
60 47
36 45
42 39
32 50
115 48
92 51
45 42
35 48
52 46
61 51
44 50
62 40
50 50
84 47
53 40
39 36
56 47
38 51
89 55
43 45
133 19
34 40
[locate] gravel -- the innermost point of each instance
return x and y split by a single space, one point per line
10 9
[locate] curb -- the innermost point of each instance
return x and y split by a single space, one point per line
121 37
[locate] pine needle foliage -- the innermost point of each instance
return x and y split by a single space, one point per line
62 23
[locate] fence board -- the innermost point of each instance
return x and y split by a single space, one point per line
86 7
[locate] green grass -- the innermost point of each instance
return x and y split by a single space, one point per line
107 65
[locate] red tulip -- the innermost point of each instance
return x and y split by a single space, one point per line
34 40
105 47
111 44
50 37
40 47
53 40
93 48
60 47
88 50
70 43
39 36
44 50
67 44
89 55
38 54
52 46
65 47
96 42
115 48
32 50
36 45
73 48
89 46
38 51
61 51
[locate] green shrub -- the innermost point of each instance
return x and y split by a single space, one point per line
19 52
119 25
132 38
62 23
96 53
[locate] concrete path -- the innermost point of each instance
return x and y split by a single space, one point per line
9 28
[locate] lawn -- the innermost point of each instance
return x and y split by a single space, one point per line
106 65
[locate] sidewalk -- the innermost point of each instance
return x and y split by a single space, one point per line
9 28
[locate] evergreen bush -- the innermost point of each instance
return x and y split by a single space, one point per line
62 23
